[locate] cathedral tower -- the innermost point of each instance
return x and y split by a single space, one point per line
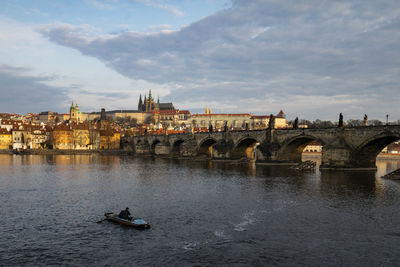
140 104
149 102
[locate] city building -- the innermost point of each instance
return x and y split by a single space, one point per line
109 139
10 124
173 118
5 139
62 137
313 146
94 135
239 121
218 121
81 136
47 117
39 138
21 136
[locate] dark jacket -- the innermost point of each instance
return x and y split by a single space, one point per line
125 214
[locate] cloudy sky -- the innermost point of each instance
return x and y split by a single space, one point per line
311 58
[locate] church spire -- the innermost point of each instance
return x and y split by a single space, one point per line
140 104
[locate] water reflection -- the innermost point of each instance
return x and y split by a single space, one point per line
383 165
346 183
360 183
349 184
386 165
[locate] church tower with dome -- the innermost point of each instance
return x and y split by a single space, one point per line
75 115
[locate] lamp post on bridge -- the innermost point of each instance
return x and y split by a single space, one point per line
387 119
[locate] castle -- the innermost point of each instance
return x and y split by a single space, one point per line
148 105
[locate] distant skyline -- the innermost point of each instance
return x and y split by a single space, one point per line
312 59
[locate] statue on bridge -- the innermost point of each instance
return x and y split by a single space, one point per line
340 120
271 122
365 120
296 123
226 127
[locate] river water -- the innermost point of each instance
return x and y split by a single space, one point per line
202 213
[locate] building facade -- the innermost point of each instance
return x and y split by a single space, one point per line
81 136
63 137
6 141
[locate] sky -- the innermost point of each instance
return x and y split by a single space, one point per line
311 58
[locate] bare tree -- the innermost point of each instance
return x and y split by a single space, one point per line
375 123
354 123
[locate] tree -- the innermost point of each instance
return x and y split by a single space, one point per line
307 122
355 123
375 123
321 124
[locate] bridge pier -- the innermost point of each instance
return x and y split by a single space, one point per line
188 149
162 149
222 150
335 158
142 148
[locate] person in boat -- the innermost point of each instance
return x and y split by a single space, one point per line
125 214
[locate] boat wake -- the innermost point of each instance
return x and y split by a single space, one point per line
221 234
248 220
191 245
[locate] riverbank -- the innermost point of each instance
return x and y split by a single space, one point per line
66 152
380 155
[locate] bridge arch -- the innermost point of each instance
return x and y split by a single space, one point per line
293 148
126 145
206 147
153 146
245 148
176 148
366 153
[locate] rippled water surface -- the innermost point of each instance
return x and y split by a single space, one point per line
201 212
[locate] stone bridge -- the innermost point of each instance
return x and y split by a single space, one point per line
347 147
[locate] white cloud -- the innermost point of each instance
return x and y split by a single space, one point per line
160 28
275 51
103 5
24 93
160 4
32 66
